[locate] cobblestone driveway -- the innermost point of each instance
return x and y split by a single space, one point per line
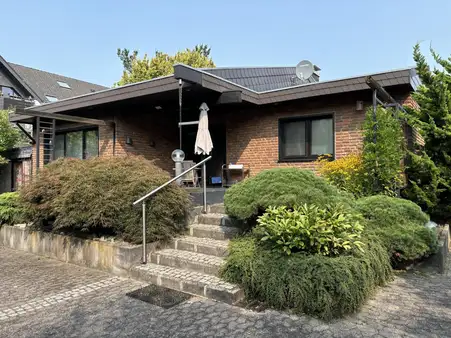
45 298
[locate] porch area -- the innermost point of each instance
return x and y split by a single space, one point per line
145 125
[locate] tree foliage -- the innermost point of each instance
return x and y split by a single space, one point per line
9 135
346 173
383 151
140 69
94 197
433 119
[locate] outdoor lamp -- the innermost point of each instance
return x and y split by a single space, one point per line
178 156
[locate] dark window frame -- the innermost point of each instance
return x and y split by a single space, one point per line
84 131
308 157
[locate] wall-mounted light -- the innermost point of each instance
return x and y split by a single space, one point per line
128 140
359 105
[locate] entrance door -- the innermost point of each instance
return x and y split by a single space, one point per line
218 137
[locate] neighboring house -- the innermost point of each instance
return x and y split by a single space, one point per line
260 117
21 87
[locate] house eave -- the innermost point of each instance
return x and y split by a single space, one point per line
190 75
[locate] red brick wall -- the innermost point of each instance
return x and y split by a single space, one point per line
252 136
151 137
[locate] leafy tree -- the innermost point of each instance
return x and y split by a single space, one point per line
161 64
383 151
433 119
9 135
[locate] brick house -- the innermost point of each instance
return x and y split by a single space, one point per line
22 86
260 117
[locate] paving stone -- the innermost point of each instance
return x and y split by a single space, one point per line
192 282
206 246
422 302
212 231
192 261
215 219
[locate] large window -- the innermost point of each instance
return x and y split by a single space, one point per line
303 139
8 91
81 144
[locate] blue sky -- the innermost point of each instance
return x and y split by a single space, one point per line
79 38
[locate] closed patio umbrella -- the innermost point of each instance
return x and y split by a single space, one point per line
203 144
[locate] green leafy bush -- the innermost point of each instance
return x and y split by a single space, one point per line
383 151
346 173
280 187
11 212
328 231
399 225
95 196
325 287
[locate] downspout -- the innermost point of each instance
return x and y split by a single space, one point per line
114 136
376 179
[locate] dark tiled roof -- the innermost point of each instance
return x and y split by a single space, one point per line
261 79
44 83
19 153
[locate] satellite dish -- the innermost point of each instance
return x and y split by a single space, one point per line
304 69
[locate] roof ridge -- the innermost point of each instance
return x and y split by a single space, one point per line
62 76
248 67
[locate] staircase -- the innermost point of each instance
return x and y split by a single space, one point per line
191 263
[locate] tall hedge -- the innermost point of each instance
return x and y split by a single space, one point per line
96 196
280 187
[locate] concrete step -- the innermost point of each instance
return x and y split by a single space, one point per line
217 209
188 281
206 246
213 231
215 219
192 261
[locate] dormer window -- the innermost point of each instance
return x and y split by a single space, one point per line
63 84
51 98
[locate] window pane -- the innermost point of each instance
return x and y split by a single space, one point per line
92 144
59 146
74 144
294 138
8 91
51 98
322 137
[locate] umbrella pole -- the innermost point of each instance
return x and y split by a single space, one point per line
180 112
204 185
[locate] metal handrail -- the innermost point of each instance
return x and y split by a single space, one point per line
145 197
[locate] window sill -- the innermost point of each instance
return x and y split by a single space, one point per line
301 159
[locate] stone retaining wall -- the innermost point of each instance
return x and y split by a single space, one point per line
444 244
107 256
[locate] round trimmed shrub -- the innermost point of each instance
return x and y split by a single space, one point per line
280 187
382 210
95 196
400 226
324 287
